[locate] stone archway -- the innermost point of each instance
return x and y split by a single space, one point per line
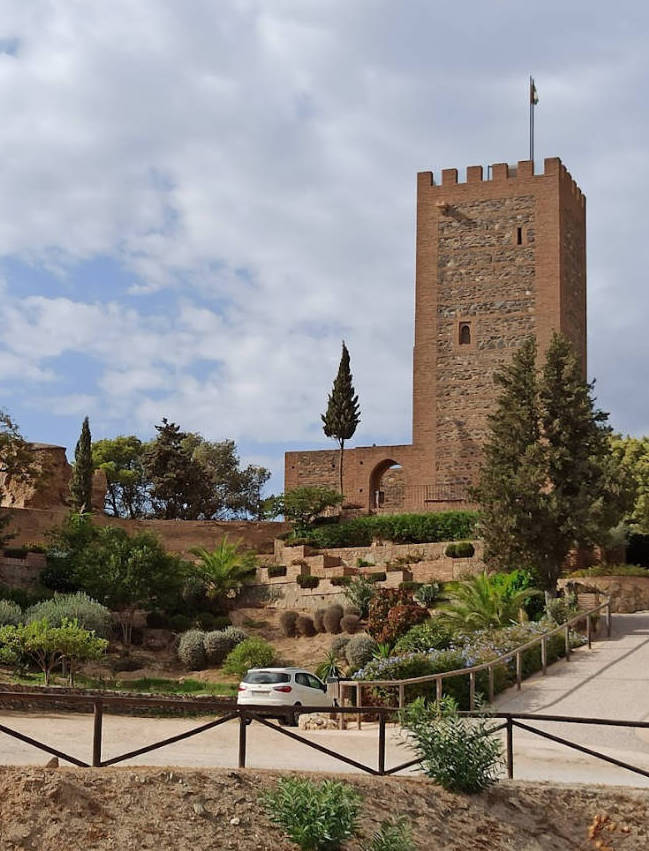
387 486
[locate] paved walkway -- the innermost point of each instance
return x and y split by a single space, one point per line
611 681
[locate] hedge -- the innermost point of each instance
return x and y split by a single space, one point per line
399 528
308 581
276 570
461 549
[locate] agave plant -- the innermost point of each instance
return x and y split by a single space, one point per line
329 667
480 603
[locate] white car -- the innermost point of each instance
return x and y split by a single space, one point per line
282 687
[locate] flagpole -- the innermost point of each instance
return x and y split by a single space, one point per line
531 118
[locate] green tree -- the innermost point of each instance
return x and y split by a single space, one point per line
549 482
225 570
81 481
302 506
177 484
231 491
17 464
343 411
482 603
121 571
78 645
121 459
632 453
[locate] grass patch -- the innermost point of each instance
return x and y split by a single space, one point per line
143 685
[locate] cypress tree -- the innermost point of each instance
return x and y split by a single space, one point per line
343 411
81 481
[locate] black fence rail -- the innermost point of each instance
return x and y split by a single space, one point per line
261 714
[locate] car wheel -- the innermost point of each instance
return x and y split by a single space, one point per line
291 718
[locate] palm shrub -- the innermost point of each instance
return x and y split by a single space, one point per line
360 592
10 613
88 613
480 602
251 653
329 667
316 816
191 649
459 753
225 569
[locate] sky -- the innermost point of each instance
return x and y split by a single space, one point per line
199 200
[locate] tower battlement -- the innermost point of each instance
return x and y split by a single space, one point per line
498 174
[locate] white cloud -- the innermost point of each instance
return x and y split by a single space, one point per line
252 168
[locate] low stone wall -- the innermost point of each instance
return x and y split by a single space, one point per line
627 593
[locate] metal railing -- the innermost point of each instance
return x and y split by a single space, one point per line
359 685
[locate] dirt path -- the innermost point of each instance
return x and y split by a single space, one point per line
51 809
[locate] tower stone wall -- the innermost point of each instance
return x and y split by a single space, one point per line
500 257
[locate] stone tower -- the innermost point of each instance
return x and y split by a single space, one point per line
500 257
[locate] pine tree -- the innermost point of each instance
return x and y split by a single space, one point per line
549 482
511 481
343 411
81 481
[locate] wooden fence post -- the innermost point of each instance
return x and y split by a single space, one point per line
491 684
96 733
510 748
566 632
608 619
544 656
471 691
519 670
588 633
242 738
382 743
359 696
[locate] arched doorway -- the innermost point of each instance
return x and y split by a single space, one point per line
387 486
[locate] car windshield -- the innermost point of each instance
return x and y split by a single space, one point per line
266 677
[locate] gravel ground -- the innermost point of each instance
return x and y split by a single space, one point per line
127 808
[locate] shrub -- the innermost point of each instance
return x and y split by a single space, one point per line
305 626
460 549
191 649
235 634
341 580
379 576
328 667
400 619
612 570
88 613
382 601
308 581
560 609
217 645
157 620
276 570
315 815
361 562
332 617
10 613
338 646
251 653
360 649
222 622
428 593
432 634
318 620
410 585
205 621
461 754
400 528
180 623
350 624
409 558
393 835
352 610
287 623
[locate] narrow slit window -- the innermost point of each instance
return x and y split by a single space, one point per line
465 334
519 236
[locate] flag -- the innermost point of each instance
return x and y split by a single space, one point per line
534 97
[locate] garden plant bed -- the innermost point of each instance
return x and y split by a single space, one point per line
173 808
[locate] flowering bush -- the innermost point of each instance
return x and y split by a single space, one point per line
432 634
466 651
380 605
401 618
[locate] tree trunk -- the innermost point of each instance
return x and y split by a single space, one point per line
342 448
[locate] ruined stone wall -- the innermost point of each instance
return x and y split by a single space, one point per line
179 536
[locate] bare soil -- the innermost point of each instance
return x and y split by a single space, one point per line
54 808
